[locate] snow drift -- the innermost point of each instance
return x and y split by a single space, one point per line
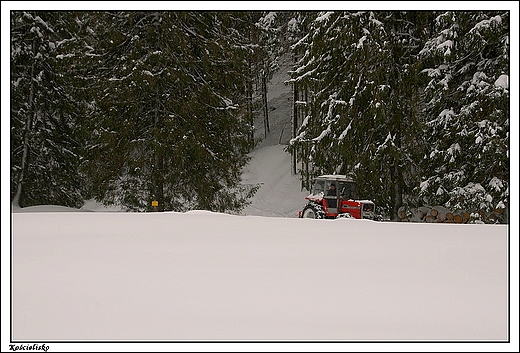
207 276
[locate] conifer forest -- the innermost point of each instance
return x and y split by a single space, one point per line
128 107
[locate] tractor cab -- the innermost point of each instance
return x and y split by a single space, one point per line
335 196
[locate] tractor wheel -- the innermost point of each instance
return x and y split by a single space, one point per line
313 210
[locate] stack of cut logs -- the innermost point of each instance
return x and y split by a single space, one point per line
435 216
442 215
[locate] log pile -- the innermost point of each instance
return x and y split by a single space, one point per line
437 216
440 214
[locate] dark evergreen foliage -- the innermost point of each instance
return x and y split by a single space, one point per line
362 111
171 122
467 116
379 89
45 150
130 107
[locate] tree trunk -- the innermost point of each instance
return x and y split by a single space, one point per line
159 181
294 124
158 170
398 189
27 132
264 104
19 186
250 106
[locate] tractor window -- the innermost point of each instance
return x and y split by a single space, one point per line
348 190
319 186
331 194
331 191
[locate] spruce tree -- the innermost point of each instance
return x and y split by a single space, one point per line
467 163
45 145
170 121
362 113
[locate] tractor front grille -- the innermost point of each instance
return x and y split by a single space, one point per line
367 207
368 210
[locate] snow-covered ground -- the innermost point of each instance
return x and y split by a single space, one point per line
280 194
206 276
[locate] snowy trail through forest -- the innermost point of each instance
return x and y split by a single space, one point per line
279 194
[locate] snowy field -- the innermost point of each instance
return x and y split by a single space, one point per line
207 276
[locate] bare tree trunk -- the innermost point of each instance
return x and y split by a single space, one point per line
27 132
158 170
398 191
159 181
264 104
16 199
249 94
294 125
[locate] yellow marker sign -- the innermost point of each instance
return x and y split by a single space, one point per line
155 203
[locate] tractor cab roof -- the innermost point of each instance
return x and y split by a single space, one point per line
336 177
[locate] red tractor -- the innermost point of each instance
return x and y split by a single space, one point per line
335 196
